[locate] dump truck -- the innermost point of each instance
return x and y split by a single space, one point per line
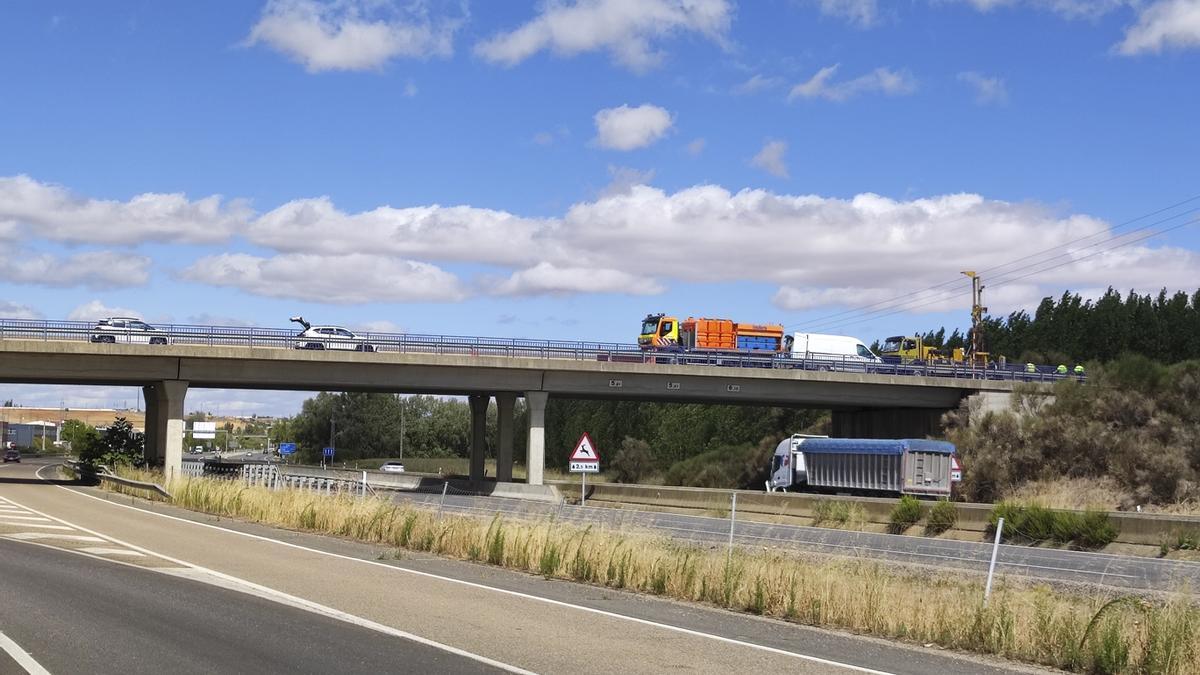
902 466
661 332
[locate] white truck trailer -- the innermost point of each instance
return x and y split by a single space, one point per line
904 466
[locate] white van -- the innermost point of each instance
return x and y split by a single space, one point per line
834 352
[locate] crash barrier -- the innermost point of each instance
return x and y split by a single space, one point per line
409 343
1149 529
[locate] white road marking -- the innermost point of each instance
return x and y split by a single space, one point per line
471 584
103 550
16 517
26 536
21 656
42 526
222 580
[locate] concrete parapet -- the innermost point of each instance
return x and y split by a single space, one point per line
1133 528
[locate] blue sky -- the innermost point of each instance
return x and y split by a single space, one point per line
560 169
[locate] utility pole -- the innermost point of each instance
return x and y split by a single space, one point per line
332 432
977 310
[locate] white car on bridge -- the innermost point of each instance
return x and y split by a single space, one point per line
127 329
329 337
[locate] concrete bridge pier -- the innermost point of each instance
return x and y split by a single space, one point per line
505 402
535 454
479 406
165 425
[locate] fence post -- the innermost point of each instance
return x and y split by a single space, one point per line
442 504
992 567
732 520
364 485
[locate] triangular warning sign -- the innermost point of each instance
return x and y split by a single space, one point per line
585 450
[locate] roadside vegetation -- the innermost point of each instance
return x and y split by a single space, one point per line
1083 632
1133 427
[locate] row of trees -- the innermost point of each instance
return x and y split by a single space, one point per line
636 439
1165 328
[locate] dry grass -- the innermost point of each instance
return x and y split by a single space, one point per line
1081 632
1090 493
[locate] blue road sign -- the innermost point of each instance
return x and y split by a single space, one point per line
328 452
287 448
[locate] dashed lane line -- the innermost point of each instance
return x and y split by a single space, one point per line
27 536
104 550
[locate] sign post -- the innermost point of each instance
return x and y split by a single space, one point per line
326 457
584 460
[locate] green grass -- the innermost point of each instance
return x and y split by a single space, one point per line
1035 524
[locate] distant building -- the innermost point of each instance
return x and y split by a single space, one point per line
29 434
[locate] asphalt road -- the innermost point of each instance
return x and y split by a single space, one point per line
1121 572
257 579
79 614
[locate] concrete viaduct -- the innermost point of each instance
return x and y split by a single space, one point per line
864 405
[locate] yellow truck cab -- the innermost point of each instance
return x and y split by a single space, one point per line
658 331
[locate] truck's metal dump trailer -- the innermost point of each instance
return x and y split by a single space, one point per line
907 466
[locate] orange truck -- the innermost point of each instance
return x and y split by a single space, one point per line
666 333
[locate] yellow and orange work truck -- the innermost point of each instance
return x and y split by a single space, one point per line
667 333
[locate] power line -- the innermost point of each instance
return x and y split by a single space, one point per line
1002 279
856 310
1039 271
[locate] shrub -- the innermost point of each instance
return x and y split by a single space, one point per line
633 461
905 514
943 516
1035 524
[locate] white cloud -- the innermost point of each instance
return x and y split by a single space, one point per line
454 233
863 13
626 128
624 178
12 310
552 136
93 269
410 89
1163 24
546 278
987 89
770 158
345 279
95 310
1070 9
628 29
696 147
350 34
883 80
51 212
639 239
756 84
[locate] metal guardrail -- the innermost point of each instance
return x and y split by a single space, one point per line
411 343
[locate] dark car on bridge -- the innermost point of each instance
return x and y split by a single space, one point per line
12 455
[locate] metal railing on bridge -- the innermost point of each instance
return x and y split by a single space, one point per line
406 343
